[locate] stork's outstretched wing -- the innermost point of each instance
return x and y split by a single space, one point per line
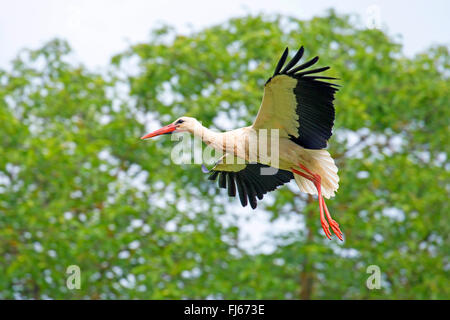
298 103
248 179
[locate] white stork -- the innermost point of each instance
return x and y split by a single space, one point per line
299 104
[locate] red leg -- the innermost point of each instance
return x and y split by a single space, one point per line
323 221
306 169
304 175
316 179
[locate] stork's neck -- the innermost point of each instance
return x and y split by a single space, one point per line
230 141
207 135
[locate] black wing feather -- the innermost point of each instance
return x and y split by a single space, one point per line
242 191
312 71
231 185
214 175
281 62
294 60
250 183
251 194
222 180
304 66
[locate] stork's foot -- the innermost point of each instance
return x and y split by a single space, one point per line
316 179
334 225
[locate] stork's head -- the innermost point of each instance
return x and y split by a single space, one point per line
182 124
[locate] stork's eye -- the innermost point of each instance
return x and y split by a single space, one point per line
179 121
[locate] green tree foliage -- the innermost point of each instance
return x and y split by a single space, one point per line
77 187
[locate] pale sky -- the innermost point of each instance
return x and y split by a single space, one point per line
98 29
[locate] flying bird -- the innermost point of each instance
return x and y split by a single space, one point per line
296 116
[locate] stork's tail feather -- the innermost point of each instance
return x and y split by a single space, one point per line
322 164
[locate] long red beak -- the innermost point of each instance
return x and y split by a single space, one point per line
167 129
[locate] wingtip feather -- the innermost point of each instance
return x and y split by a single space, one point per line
281 61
